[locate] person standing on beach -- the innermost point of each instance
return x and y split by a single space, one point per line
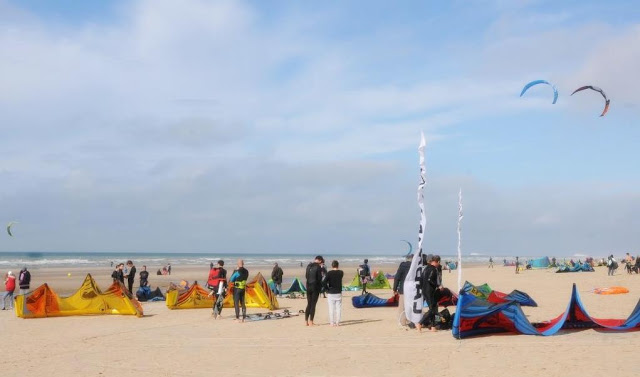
333 284
24 280
217 283
398 286
169 268
9 287
429 286
314 285
117 274
490 262
144 277
323 270
612 265
239 279
131 275
365 275
276 276
517 265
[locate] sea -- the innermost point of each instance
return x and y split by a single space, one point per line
98 259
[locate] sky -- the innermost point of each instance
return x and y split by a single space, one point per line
292 127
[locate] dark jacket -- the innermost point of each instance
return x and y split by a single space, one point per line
144 278
118 275
401 275
24 279
132 274
276 275
314 277
333 281
429 279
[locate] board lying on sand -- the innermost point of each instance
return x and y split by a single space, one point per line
273 315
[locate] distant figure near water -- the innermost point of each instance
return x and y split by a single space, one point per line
490 262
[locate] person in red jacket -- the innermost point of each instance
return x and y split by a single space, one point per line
217 283
9 286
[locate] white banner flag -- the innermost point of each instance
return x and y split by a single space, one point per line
413 301
459 240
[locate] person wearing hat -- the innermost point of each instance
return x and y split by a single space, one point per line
398 286
9 287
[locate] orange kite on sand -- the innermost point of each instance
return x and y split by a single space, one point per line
88 300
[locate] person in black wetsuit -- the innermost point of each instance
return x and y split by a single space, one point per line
117 274
430 281
144 277
239 279
131 275
398 286
314 286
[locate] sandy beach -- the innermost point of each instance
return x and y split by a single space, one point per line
369 342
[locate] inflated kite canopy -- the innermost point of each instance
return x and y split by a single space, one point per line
475 317
410 251
9 228
595 88
537 82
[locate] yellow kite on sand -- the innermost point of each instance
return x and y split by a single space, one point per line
88 300
257 295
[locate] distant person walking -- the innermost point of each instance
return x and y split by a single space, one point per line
612 265
131 275
333 285
276 276
9 287
169 268
144 277
239 279
517 265
398 286
314 285
364 273
24 280
490 262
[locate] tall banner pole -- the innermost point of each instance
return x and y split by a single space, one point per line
460 216
412 289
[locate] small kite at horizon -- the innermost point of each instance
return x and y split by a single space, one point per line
536 82
595 88
9 227
410 246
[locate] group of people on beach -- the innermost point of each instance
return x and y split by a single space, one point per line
430 286
128 272
24 281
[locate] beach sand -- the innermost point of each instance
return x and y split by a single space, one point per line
369 342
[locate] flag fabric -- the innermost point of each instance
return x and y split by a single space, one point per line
460 216
412 289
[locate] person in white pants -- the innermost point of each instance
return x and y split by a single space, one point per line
333 284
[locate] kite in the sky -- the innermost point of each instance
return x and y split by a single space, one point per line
9 228
410 246
606 100
536 82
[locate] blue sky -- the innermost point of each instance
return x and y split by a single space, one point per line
293 127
